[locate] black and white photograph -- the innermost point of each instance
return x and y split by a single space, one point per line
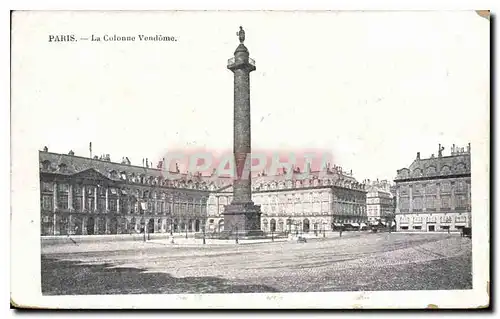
263 159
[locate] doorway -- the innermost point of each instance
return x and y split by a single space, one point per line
432 228
151 226
306 226
90 226
114 226
273 225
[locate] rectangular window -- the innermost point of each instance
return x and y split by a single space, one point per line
77 204
404 203
404 191
124 206
430 202
417 190
46 202
430 189
47 187
461 201
90 204
101 204
112 205
460 186
62 188
62 201
102 191
445 202
445 187
77 190
417 203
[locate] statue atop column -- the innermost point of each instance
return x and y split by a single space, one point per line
241 35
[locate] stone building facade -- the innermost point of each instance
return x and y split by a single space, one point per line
434 194
380 202
87 196
84 196
318 203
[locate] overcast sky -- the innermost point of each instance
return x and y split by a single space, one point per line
372 88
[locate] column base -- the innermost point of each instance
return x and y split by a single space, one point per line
242 220
244 234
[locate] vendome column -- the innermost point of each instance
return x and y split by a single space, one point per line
242 216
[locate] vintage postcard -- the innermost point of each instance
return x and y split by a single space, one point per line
250 159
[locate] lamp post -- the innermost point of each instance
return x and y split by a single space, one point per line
236 233
186 228
204 235
324 223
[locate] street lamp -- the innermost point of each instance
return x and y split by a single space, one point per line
236 233
204 235
186 228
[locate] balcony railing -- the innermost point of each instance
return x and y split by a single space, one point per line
231 61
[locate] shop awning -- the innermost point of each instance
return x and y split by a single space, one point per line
364 225
355 224
337 225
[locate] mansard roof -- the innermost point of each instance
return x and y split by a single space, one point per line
437 166
65 164
69 165
73 164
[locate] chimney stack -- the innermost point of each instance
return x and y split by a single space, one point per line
418 155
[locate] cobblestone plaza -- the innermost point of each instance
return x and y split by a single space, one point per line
354 262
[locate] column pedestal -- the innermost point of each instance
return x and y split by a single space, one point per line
242 220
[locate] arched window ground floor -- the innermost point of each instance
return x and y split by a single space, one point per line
102 224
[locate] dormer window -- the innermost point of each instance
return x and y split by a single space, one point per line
113 174
46 164
62 167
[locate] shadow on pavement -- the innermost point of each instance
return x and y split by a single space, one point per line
61 277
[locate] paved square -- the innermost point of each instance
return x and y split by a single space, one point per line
355 262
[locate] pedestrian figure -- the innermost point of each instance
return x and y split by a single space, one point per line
341 233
